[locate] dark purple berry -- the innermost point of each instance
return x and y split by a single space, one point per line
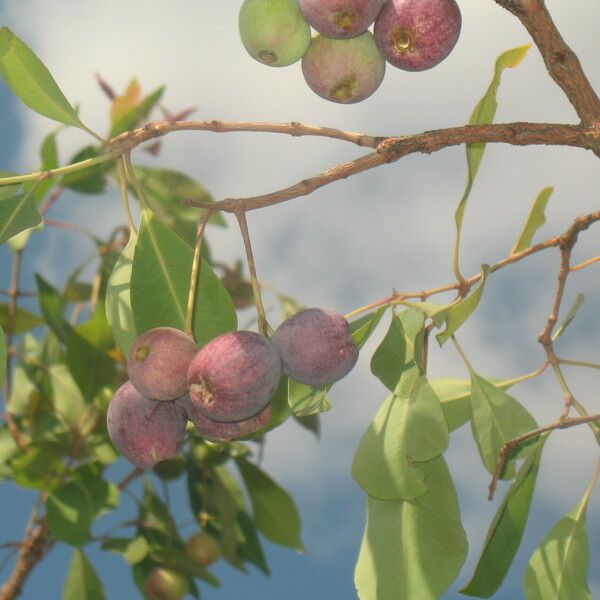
340 18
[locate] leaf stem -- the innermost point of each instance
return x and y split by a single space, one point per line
462 355
578 363
125 195
134 180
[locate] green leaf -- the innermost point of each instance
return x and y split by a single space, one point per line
31 82
72 508
412 549
496 419
157 516
506 531
38 469
8 191
118 303
165 191
137 114
8 450
535 220
160 281
454 397
305 400
91 180
82 581
410 426
69 403
49 153
458 313
484 113
400 348
23 320
133 550
2 356
311 423
52 306
361 329
559 567
17 214
275 513
570 316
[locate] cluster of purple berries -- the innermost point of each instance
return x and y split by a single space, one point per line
223 388
345 62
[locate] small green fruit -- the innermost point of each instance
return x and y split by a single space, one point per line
166 584
203 549
274 32
170 469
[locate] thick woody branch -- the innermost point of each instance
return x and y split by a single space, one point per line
561 62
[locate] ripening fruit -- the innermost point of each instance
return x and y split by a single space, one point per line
166 584
340 18
158 362
219 431
315 346
274 31
234 376
416 35
145 431
203 549
344 71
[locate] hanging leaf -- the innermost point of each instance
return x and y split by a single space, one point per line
496 419
412 549
18 213
160 279
2 356
410 426
52 307
361 329
274 511
506 531
535 220
458 313
82 581
31 82
305 400
558 569
23 320
91 180
69 403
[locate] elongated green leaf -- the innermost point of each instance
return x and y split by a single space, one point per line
275 513
17 214
2 356
72 508
569 317
23 320
534 221
559 567
412 549
410 426
69 402
82 581
361 329
454 397
49 152
8 191
165 191
137 114
311 423
496 419
400 348
8 450
160 280
91 180
38 469
31 82
458 313
133 550
305 400
52 307
118 302
484 113
505 533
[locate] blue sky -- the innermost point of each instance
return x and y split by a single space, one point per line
344 246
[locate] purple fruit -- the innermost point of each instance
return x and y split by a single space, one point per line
145 431
315 346
340 18
158 362
416 35
234 376
344 71
219 431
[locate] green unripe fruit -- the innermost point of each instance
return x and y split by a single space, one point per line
203 549
274 32
166 584
169 469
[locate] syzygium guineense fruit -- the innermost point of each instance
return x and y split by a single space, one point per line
166 584
315 346
158 362
145 431
343 70
416 35
234 376
274 32
219 431
169 469
340 18
203 549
